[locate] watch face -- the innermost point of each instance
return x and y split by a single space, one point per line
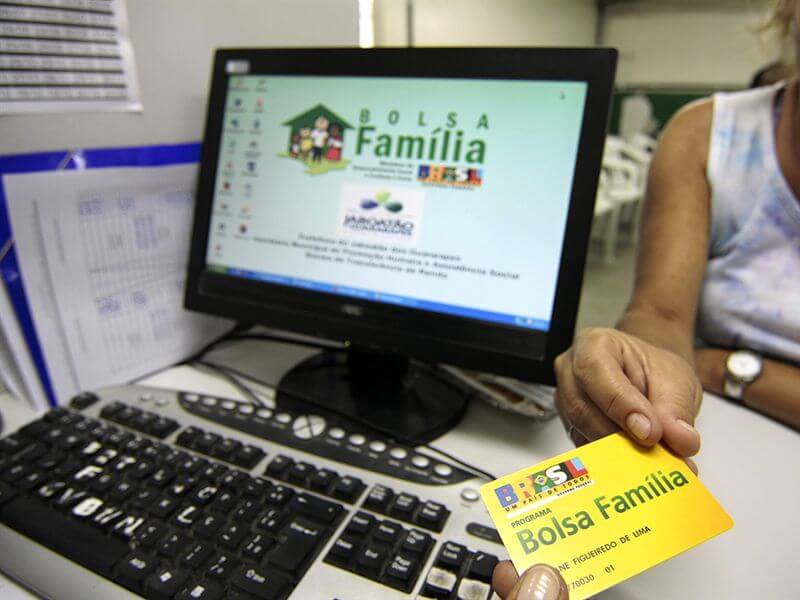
744 365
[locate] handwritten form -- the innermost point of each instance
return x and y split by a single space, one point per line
103 256
66 55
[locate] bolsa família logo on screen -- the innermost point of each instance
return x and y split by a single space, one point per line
543 486
316 138
443 149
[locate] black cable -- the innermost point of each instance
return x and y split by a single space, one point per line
458 461
254 399
210 345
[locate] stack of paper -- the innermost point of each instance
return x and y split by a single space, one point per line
101 254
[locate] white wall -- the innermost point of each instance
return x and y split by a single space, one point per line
173 41
488 22
696 43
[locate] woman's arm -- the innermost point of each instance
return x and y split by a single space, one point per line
640 378
774 392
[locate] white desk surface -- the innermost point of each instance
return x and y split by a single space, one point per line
750 463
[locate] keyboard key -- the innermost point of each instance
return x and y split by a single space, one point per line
232 536
400 572
279 495
439 583
165 583
225 448
416 542
162 427
451 556
83 400
262 582
246 510
379 498
256 487
222 566
187 516
134 569
482 566
432 515
209 527
147 535
387 532
404 506
299 472
205 590
348 488
278 466
197 554
248 456
369 560
173 545
360 523
272 521
256 546
322 480
343 550
297 545
471 589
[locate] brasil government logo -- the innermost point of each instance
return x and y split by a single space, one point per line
316 139
543 486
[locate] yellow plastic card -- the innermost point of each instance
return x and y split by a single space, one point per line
603 512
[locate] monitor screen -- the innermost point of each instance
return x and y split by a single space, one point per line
407 200
446 196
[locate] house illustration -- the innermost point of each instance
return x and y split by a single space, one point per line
317 135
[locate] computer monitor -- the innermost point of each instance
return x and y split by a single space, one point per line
432 204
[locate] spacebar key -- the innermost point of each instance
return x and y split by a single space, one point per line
79 543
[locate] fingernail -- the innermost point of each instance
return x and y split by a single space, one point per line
687 426
638 425
540 583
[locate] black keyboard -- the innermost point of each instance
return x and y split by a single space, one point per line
206 515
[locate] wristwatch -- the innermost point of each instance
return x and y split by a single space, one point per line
741 369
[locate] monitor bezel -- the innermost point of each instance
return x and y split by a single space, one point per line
515 352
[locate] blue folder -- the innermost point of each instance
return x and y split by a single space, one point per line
141 156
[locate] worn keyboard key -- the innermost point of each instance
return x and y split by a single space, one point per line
262 582
439 583
472 589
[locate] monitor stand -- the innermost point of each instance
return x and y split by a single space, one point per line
407 400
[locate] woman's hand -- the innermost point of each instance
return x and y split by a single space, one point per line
610 381
540 582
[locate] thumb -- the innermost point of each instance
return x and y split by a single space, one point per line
540 582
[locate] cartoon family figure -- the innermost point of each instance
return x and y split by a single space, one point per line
317 134
324 140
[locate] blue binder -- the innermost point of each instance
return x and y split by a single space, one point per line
141 156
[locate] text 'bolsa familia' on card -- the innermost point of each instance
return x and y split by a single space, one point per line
603 512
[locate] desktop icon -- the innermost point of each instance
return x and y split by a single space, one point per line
243 228
251 166
257 124
237 102
235 123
